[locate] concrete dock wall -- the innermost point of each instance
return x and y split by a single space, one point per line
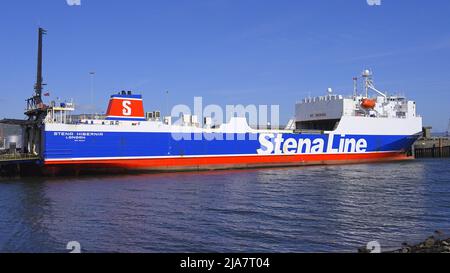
434 147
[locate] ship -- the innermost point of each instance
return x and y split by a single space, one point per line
366 126
329 129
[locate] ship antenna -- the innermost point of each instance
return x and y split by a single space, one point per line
355 86
368 84
367 76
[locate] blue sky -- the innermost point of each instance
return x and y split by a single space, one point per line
228 51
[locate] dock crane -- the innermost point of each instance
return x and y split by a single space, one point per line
36 110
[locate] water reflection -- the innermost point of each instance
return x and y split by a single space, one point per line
322 208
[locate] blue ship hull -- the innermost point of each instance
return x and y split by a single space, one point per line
154 150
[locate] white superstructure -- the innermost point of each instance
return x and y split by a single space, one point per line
360 113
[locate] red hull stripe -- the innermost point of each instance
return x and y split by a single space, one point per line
234 160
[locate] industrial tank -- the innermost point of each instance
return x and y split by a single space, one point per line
13 141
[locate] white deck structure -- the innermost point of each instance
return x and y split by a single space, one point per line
390 114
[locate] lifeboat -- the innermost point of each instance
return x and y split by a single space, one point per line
368 103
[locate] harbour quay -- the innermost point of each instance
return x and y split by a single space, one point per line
429 146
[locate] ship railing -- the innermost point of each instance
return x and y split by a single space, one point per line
309 131
359 114
17 156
